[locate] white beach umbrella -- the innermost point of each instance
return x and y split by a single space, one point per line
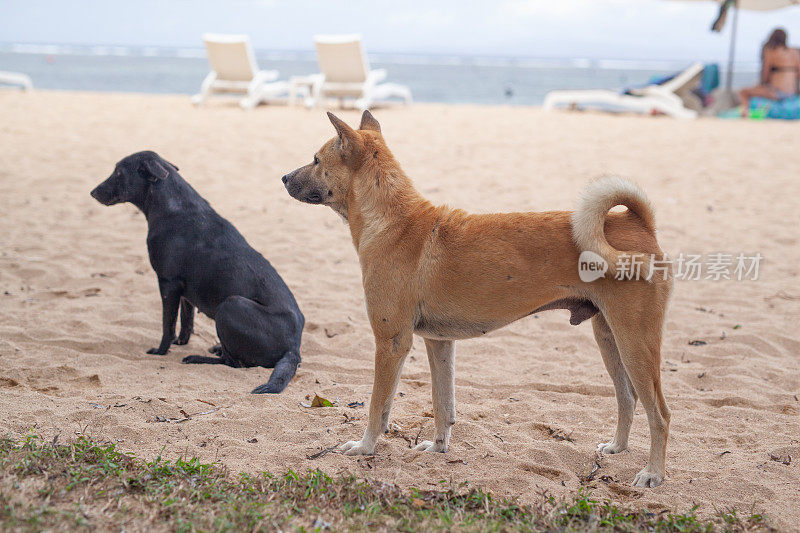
736 5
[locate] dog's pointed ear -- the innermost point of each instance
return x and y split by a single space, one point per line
156 170
348 137
368 122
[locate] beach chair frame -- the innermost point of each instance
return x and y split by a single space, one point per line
234 70
663 98
346 75
16 79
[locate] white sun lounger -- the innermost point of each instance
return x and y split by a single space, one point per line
16 78
234 70
664 98
346 74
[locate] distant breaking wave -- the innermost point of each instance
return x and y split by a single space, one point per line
391 58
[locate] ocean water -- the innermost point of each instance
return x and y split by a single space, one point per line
432 78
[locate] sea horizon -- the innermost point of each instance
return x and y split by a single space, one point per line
432 77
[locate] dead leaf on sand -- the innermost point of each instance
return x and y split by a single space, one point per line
318 401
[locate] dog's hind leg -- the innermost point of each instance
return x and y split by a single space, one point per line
441 356
223 359
638 339
252 335
281 375
390 354
626 395
203 360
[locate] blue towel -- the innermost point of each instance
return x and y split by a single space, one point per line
786 109
659 79
710 80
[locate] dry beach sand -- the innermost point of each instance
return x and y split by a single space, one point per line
79 304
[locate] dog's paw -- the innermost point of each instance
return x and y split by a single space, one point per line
355 447
266 388
157 351
216 349
646 478
611 447
429 446
190 359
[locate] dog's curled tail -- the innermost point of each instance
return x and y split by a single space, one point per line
589 218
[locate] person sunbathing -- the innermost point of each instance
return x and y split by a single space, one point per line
780 72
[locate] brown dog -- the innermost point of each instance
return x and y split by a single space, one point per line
447 275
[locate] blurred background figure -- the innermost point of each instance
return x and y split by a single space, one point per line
780 72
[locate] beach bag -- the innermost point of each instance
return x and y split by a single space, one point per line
786 109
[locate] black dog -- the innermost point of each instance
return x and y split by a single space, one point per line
202 261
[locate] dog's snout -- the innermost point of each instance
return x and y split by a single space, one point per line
105 194
285 178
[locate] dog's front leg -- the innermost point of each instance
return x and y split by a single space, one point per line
390 353
187 322
170 301
441 356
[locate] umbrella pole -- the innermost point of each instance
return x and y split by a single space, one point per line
732 48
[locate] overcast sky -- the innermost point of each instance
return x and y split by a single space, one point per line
628 29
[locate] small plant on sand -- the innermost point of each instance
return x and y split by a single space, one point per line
87 485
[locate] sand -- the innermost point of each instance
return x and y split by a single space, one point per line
79 304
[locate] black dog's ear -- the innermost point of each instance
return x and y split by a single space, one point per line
155 170
172 165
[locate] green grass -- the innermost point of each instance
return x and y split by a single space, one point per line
87 485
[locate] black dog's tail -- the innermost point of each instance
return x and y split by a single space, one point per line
281 375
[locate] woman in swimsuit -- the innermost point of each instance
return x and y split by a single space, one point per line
780 72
